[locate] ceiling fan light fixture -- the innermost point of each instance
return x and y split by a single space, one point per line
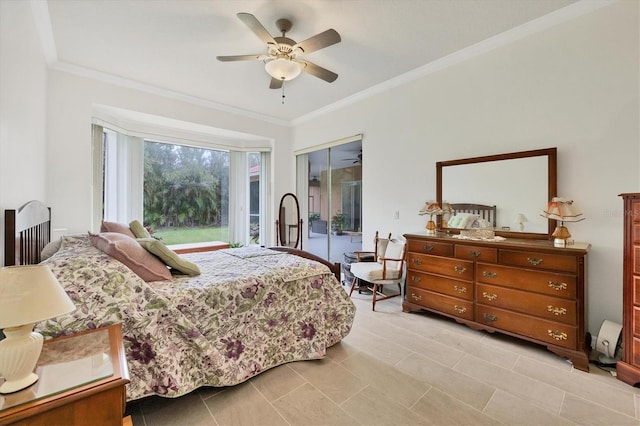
283 69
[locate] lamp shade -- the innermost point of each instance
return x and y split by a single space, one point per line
283 69
430 208
562 209
29 294
520 218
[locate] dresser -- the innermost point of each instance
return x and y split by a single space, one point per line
629 367
81 381
524 288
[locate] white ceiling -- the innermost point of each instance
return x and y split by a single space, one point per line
170 46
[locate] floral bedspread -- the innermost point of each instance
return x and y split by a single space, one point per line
251 309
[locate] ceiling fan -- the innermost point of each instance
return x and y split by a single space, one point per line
283 59
356 160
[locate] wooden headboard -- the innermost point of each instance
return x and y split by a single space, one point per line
487 213
26 231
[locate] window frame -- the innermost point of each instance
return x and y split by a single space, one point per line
134 173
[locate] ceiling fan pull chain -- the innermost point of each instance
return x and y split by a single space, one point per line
283 91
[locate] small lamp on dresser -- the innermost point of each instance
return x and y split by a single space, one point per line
431 208
28 294
447 209
520 219
564 210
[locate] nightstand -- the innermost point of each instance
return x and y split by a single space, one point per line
82 381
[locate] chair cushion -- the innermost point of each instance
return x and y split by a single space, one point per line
381 248
372 271
394 251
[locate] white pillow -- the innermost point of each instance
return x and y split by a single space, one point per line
50 249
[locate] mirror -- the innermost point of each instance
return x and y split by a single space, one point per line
516 183
289 224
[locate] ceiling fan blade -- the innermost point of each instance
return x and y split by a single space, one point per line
257 28
242 58
275 83
319 41
318 71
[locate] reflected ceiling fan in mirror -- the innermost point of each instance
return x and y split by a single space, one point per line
283 60
356 160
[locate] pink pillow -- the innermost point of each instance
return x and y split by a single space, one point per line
120 228
132 254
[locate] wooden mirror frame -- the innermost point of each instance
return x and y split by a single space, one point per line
282 229
552 182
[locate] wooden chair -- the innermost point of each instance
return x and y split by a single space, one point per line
386 269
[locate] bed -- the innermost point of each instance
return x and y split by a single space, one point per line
249 310
484 212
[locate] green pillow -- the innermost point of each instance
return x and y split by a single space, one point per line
168 256
138 230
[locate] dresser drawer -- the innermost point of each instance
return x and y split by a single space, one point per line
430 247
552 308
636 321
635 237
636 260
547 331
636 290
561 285
440 284
536 260
636 352
484 254
439 302
456 268
635 209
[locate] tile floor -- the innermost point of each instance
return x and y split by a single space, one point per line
397 368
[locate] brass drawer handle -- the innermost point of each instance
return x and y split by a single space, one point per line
428 247
490 317
417 261
416 279
557 286
475 254
416 297
556 310
460 289
489 274
460 269
490 296
460 309
557 335
534 262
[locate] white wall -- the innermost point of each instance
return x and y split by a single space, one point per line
23 85
71 103
574 86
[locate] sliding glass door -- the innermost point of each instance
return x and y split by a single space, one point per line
332 182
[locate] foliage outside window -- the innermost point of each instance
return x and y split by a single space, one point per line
186 192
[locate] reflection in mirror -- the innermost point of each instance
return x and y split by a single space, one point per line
519 184
289 224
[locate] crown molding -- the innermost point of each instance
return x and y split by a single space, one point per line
552 19
159 91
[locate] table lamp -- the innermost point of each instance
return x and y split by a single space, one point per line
564 210
520 219
28 294
431 208
447 209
